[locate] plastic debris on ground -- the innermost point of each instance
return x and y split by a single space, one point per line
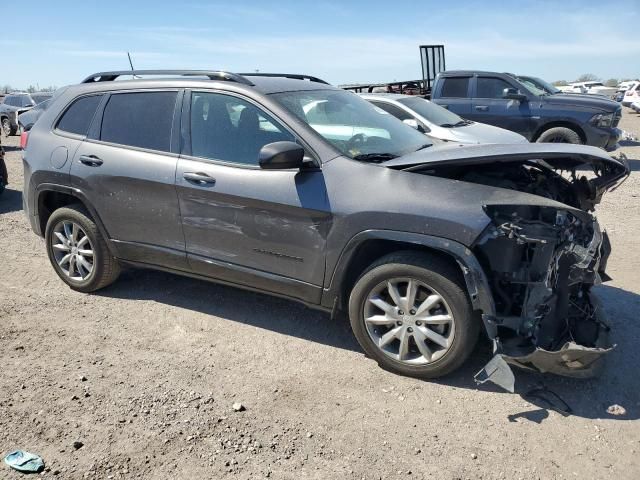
24 461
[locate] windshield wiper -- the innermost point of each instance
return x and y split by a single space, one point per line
375 157
426 145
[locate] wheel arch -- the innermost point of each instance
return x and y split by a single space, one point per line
368 246
50 197
560 123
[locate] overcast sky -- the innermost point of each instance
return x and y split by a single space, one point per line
57 43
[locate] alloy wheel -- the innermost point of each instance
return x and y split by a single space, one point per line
72 250
6 127
409 321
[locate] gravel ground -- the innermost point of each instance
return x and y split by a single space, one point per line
145 374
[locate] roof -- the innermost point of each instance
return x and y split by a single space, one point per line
470 72
263 82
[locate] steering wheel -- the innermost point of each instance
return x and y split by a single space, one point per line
356 140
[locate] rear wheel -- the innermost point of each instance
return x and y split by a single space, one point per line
410 312
559 135
6 127
78 252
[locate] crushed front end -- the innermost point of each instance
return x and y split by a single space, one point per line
542 263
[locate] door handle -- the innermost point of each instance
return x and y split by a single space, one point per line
90 160
198 178
482 108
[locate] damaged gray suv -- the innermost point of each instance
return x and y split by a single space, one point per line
286 185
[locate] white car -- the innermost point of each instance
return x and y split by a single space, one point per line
631 95
439 123
592 88
636 106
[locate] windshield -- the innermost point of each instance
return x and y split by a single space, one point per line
39 98
432 112
351 124
537 86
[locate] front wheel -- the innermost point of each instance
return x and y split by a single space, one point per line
410 312
559 135
77 251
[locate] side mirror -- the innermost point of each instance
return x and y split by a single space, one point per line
413 123
513 94
281 155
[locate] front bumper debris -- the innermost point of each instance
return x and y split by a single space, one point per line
547 319
570 360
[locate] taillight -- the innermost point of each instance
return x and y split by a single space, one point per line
24 138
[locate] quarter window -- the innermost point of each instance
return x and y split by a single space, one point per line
230 129
489 87
79 115
455 87
141 120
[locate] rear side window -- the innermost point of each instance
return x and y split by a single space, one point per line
455 87
78 116
141 120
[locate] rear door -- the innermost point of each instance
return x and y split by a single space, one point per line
454 93
490 107
242 224
126 169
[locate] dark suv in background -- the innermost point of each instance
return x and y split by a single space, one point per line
286 185
540 114
16 103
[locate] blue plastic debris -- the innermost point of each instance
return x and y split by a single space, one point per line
24 461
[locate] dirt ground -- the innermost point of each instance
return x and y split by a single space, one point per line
144 374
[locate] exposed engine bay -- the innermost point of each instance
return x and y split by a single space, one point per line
541 262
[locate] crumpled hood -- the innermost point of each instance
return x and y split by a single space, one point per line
556 154
608 171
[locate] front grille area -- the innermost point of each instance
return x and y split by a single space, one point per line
616 117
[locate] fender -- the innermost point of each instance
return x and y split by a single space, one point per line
474 276
77 193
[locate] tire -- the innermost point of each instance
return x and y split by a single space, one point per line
7 128
104 267
559 135
441 279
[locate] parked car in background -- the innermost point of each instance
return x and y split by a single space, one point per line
631 95
439 123
501 100
28 118
591 88
16 103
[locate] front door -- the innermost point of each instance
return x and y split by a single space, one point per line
242 224
489 106
126 169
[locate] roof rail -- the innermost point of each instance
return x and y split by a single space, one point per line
212 74
295 76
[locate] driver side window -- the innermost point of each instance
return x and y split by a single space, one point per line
489 87
230 129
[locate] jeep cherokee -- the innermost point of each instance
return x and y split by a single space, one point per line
286 185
